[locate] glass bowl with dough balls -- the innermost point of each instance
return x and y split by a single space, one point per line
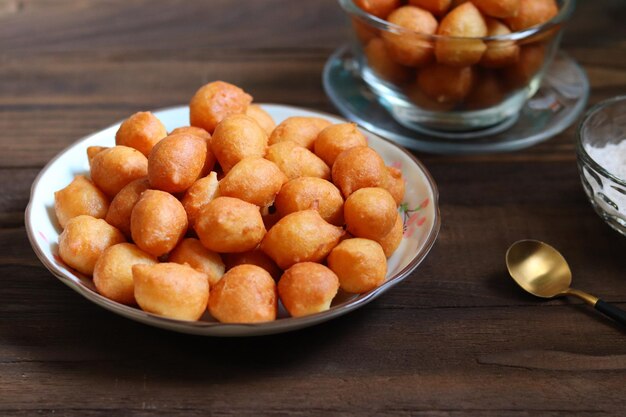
445 66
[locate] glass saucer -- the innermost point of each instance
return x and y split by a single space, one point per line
556 105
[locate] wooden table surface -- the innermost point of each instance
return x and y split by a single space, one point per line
457 338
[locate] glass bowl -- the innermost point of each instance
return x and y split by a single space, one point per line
443 85
601 148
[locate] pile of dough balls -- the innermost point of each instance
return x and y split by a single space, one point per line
231 214
456 74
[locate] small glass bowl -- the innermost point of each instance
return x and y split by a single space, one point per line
436 92
603 125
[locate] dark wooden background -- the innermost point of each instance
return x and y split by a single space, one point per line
455 339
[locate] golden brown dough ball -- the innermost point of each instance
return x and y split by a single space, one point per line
158 222
141 131
113 274
392 240
379 61
396 185
84 239
363 31
238 137
306 193
297 161
531 58
245 294
191 252
262 117
255 180
176 162
436 7
464 21
199 195
498 8
359 167
445 84
407 48
360 264
532 13
122 205
254 257
379 8
307 288
417 96
81 196
209 161
370 213
93 151
215 101
301 130
488 91
171 290
115 167
337 138
299 237
499 53
228 224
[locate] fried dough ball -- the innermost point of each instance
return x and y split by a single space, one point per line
379 61
445 84
191 252
498 8
93 151
417 96
408 48
392 240
436 7
370 213
360 264
228 224
254 257
363 31
209 161
307 288
113 168
141 131
245 294
255 180
337 138
532 13
297 161
113 274
396 185
488 91
201 193
215 101
176 162
171 290
465 21
122 205
531 58
299 237
158 222
262 117
238 137
499 53
301 130
81 196
359 167
306 193
379 8
84 239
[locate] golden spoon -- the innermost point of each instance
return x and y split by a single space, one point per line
542 271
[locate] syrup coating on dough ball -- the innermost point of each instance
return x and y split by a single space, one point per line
306 193
84 239
360 264
396 185
81 196
359 167
158 222
532 13
254 257
93 151
141 131
307 288
113 168
297 161
301 130
262 117
370 213
238 137
392 240
337 138
171 290
255 180
191 252
379 8
407 48
245 294
113 274
209 161
176 162
201 193
122 205
299 237
446 84
464 21
228 224
215 101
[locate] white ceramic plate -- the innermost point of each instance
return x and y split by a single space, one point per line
420 212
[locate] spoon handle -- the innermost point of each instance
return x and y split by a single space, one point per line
611 311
